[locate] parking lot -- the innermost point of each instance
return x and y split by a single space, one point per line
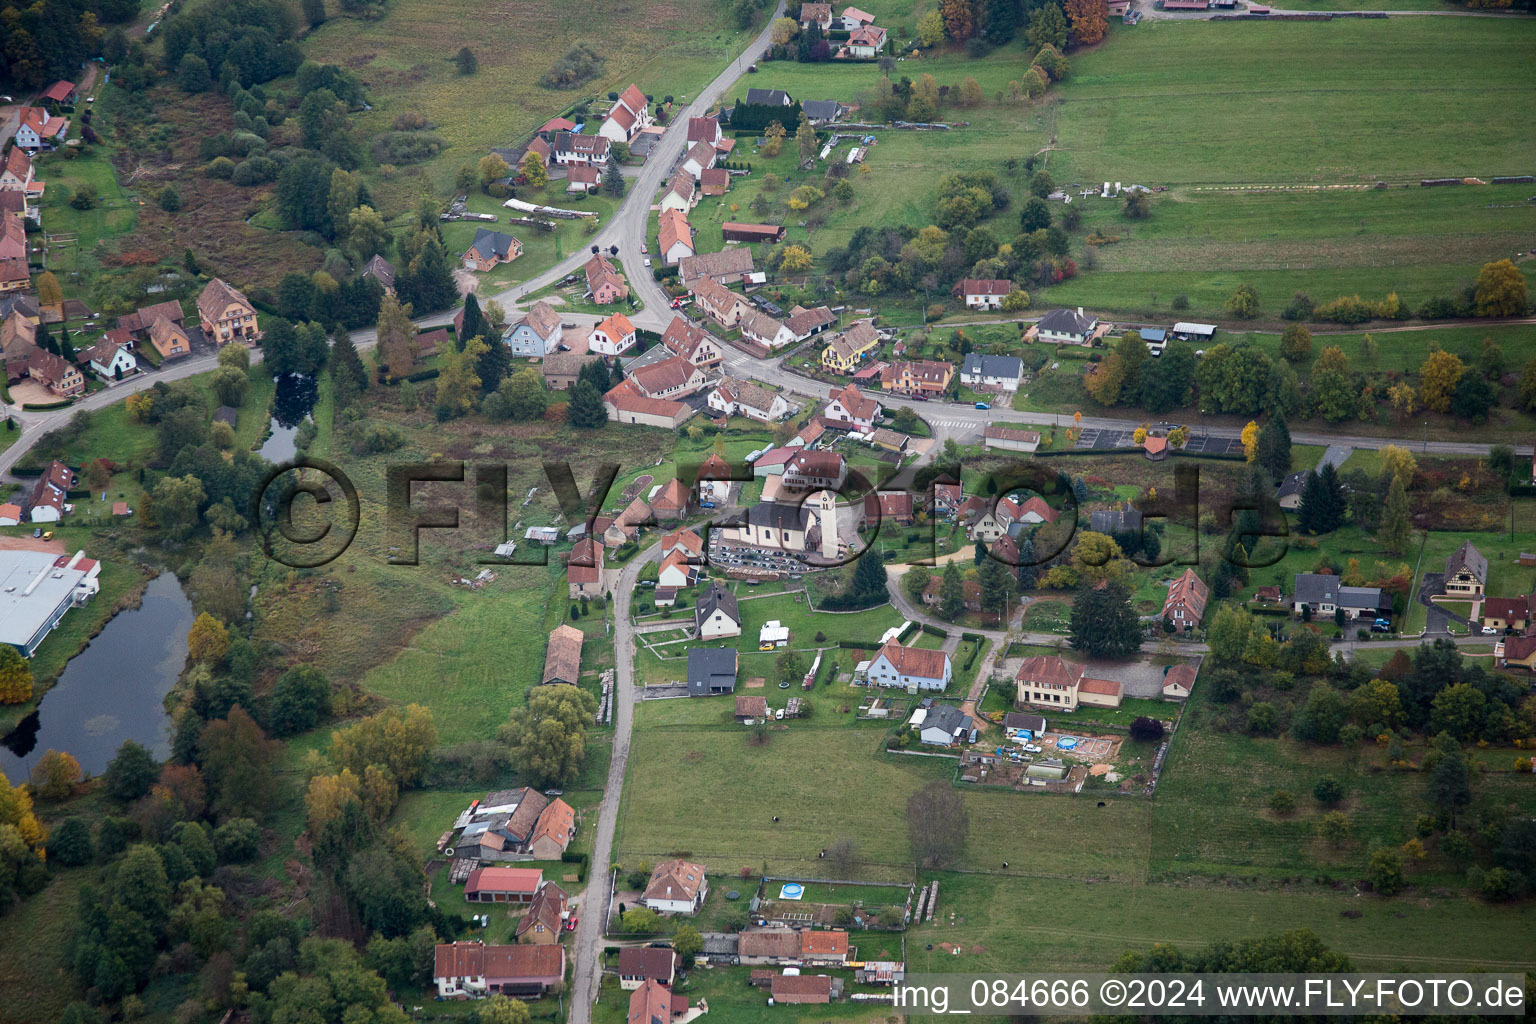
732 556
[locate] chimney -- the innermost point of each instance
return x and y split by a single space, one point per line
1079 310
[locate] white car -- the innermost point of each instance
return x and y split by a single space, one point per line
779 715
646 261
1030 748
1489 631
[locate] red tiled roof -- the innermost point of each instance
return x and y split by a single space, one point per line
633 98
914 661
982 286
675 880
1037 505
1048 668
815 943
1182 674
557 124
1190 591
517 880
1108 687
59 91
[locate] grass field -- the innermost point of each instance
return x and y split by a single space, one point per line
407 59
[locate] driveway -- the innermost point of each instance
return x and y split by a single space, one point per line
1436 619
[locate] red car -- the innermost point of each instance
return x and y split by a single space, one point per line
570 923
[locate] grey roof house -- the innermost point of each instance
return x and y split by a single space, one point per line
991 371
1324 594
711 670
1067 326
822 110
1289 494
771 97
945 725
1466 571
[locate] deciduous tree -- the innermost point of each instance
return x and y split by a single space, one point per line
207 640
15 676
55 775
1090 19
959 19
937 823
548 736
1500 290
1438 377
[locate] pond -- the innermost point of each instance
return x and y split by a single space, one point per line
112 691
291 406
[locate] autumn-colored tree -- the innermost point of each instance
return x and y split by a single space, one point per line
399 739
1500 290
207 640
930 29
55 775
1296 343
457 382
805 140
15 676
1097 557
1089 18
1399 463
398 348
783 30
1106 380
48 291
16 812
327 795
1404 399
1250 438
773 138
1438 378
534 172
970 91
795 259
959 19
492 167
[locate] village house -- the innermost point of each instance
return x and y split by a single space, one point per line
1516 652
139 322
534 334
848 348
765 330
629 114
1010 439
768 98
808 435
674 237
943 725
169 340
815 471
37 129
580 149
1115 520
1324 594
18 179
819 15
625 403
683 542
553 832
699 159
614 336
671 502
889 506
546 916
772 945
60 92
1178 681
866 42
673 379
560 369
55 373
704 129
681 194
112 358
992 523
1185 604
625 527
751 709
50 493
584 569
716 181
715 615
676 887
919 377
473 970
852 409
820 112
583 178
1288 495
719 303
711 671
1509 613
491 249
907 667
639 964
735 397
677 571
605 284
1466 571
10 514
712 483
1065 327
982 293
381 270
654 1003
793 989
562 657
808 322
991 373
1050 681
853 18
692 343
1200 334
728 266
226 315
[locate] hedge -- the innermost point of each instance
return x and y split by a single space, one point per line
79 494
972 636
933 630
577 858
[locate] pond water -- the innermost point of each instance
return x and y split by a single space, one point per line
291 406
113 690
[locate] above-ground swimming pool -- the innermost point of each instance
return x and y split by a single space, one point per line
1066 742
791 891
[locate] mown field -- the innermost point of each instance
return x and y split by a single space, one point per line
1204 107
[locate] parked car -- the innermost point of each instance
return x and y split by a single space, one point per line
1031 748
1489 631
37 533
706 504
982 405
646 260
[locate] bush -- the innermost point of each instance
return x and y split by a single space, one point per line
1179 302
220 167
84 197
170 199
258 170
407 147
1328 791
580 64
1146 730
1282 802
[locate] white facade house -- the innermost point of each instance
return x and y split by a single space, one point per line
614 336
908 667
676 887
734 397
110 361
991 373
1067 327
